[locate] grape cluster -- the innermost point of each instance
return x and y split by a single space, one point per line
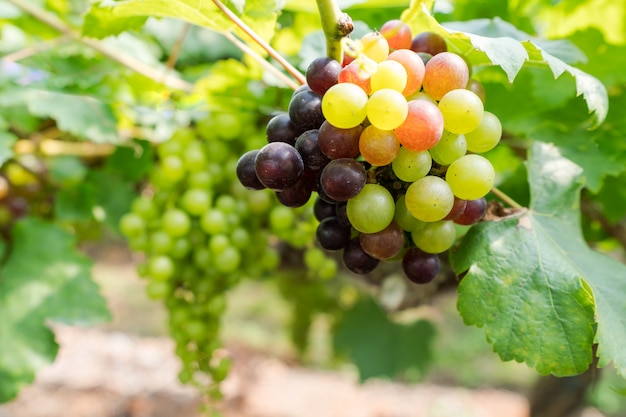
390 140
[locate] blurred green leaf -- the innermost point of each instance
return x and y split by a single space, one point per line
44 279
380 347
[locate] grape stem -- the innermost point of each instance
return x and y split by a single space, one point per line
256 38
336 25
504 197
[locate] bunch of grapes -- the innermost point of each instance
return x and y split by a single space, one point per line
390 141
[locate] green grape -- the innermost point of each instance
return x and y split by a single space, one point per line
471 177
202 257
429 199
161 242
132 225
389 74
410 166
180 248
281 218
157 290
196 201
259 201
240 238
462 111
386 109
313 258
372 209
213 222
344 105
450 147
145 208
404 218
161 267
176 222
327 269
226 203
374 46
218 243
436 237
194 157
486 136
201 180
228 260
173 168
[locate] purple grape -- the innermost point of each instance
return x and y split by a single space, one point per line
385 244
343 178
322 73
323 209
429 42
474 211
311 154
305 110
339 143
298 194
332 235
246 172
356 260
420 267
278 165
280 128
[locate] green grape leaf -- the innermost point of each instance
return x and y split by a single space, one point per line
496 42
260 15
380 347
100 23
532 282
44 279
83 116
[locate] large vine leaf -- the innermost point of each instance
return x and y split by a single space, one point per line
495 42
541 294
380 347
43 279
260 15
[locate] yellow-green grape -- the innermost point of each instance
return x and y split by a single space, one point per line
450 147
344 105
389 74
435 237
486 136
387 109
410 165
462 111
470 177
372 209
374 46
429 199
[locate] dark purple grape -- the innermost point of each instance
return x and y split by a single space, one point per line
278 165
339 143
420 267
429 42
323 209
246 172
474 211
343 178
457 209
305 110
341 211
425 57
303 87
322 74
331 235
311 154
280 128
385 244
355 259
298 194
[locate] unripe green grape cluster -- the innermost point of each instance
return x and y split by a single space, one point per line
390 140
201 233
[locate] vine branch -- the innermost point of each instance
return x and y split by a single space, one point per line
256 38
504 197
336 25
123 59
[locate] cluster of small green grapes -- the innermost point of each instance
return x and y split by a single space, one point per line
390 139
201 233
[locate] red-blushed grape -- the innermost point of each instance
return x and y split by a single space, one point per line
387 109
486 136
470 177
389 74
372 209
429 199
422 127
344 105
374 46
385 244
414 67
478 88
445 72
462 111
378 147
473 212
397 33
457 209
429 42
435 237
356 73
